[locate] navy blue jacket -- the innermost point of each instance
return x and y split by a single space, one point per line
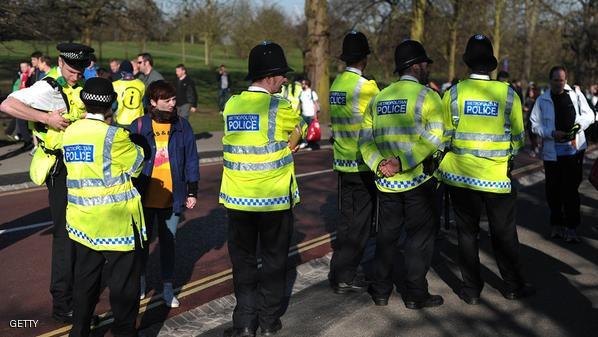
182 153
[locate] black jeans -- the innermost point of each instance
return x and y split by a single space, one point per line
259 292
63 253
409 214
124 269
563 177
500 209
357 200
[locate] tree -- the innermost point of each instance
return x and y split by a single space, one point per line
418 20
499 6
531 19
316 60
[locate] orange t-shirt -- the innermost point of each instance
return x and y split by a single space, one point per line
159 192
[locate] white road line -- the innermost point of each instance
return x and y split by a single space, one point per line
10 230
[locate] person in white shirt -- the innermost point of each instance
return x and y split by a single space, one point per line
309 107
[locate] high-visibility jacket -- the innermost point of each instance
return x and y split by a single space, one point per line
291 92
54 72
404 121
104 210
484 129
129 99
350 94
259 173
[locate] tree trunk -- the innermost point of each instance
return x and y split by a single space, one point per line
206 49
87 35
183 56
499 5
418 20
453 40
531 16
316 61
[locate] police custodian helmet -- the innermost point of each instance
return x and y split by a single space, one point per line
75 55
98 91
408 53
479 54
266 59
355 47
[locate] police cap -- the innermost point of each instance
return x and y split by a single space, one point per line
355 47
479 54
266 59
98 91
75 55
408 53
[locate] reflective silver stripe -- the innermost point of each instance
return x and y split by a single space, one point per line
419 103
482 137
272 110
481 153
434 125
448 133
518 137
347 120
108 141
455 106
270 148
345 134
356 92
395 130
395 146
302 123
96 182
432 138
104 199
508 108
365 135
138 160
258 166
373 160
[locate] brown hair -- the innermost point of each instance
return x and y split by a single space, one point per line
161 90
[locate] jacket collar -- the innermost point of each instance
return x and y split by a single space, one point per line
354 70
147 120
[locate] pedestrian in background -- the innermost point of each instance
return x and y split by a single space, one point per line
130 92
92 70
484 128
115 69
186 96
147 73
310 107
169 181
224 83
259 190
560 117
350 94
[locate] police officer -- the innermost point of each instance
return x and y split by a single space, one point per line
259 190
52 104
402 128
104 213
350 94
485 127
130 92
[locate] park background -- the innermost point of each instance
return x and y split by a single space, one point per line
529 37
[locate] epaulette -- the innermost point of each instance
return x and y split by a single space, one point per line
52 82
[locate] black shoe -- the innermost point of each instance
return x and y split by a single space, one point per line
471 300
380 301
95 320
526 291
431 301
343 288
273 329
241 332
63 317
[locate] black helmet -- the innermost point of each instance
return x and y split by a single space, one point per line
408 53
266 59
355 47
75 55
479 54
98 91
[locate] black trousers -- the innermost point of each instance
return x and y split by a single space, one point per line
357 200
124 269
260 292
63 253
408 214
500 209
563 177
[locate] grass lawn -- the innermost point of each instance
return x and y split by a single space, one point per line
166 56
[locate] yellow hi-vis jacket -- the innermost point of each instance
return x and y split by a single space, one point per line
291 92
129 99
405 121
484 129
104 210
259 173
350 94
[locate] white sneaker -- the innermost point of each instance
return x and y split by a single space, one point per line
302 145
142 288
168 294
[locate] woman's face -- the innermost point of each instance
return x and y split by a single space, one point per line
164 104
